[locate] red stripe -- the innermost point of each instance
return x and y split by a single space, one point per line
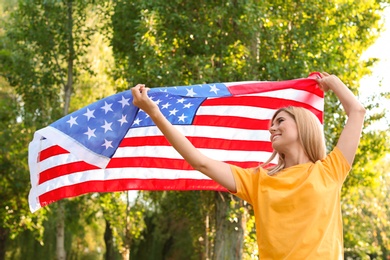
263 102
232 122
144 162
162 163
65 169
149 162
127 184
309 85
51 151
200 142
250 101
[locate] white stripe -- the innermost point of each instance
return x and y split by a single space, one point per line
58 160
46 143
170 153
288 94
68 143
117 174
229 84
33 151
295 95
205 131
164 152
237 111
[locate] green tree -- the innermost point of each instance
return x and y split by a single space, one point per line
367 212
47 41
15 216
44 57
174 226
124 219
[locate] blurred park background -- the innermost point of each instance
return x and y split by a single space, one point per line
57 56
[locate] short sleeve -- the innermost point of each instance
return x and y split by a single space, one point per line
247 182
336 165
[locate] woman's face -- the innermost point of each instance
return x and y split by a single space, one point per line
284 132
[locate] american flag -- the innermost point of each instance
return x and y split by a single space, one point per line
111 145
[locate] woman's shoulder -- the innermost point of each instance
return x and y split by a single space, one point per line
335 157
335 164
251 170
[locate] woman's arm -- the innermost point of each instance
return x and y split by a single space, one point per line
350 136
216 170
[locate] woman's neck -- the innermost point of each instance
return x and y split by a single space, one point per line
295 158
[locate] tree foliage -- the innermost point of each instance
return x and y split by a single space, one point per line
367 214
15 216
166 43
43 54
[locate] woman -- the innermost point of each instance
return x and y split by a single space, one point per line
297 202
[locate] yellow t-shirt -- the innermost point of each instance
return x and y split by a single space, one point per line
297 211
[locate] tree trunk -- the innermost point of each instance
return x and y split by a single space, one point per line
108 240
60 249
230 226
127 239
3 242
69 85
60 246
126 253
207 241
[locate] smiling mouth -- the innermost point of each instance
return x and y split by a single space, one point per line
273 138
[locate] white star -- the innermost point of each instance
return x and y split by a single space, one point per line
124 101
90 133
190 92
123 120
213 88
173 112
182 117
137 121
107 144
72 121
188 105
107 126
89 114
181 100
158 102
166 105
106 107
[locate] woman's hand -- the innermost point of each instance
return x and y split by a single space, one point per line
327 81
142 100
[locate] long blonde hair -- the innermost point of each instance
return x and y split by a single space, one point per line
310 134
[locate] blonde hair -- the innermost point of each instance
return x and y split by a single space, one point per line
310 134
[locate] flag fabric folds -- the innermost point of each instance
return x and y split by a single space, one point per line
111 145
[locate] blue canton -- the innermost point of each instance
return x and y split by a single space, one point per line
101 126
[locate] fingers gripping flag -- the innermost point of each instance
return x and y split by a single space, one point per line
111 145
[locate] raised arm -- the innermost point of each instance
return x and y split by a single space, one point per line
216 170
350 136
